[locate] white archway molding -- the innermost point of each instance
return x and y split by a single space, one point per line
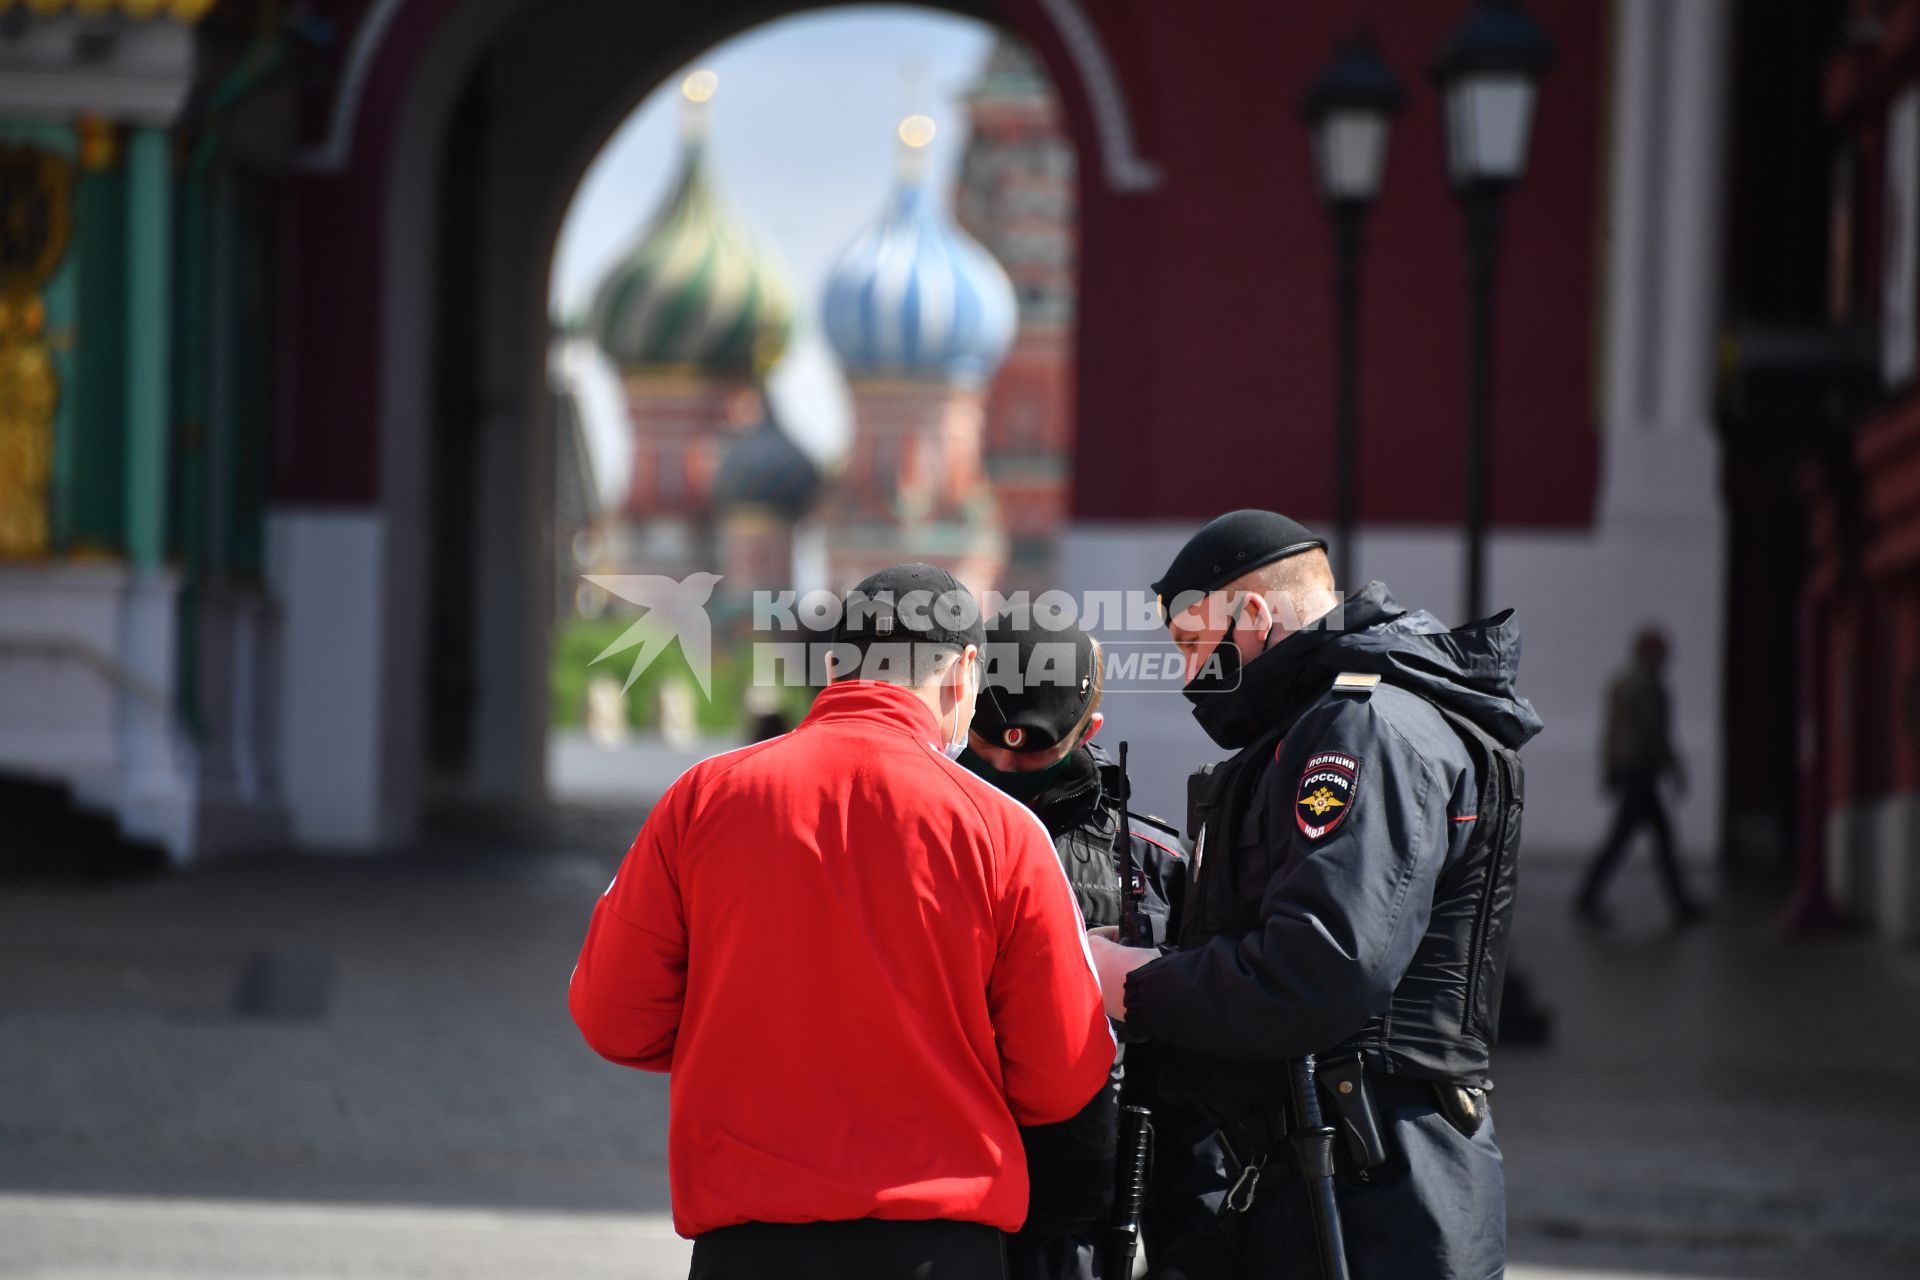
1122 166
336 148
1121 163
391 544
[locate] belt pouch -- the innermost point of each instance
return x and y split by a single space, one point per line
1345 1082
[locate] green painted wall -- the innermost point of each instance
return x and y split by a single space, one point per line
92 506
149 331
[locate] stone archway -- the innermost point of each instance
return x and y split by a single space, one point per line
502 114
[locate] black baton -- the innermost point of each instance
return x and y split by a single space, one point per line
1130 1193
1313 1151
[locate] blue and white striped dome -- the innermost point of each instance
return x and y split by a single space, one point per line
917 297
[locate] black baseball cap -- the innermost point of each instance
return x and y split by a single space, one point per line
910 603
1230 545
1038 682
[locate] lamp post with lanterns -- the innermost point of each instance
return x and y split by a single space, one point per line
1488 70
1349 112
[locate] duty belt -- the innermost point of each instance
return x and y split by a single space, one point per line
1359 1101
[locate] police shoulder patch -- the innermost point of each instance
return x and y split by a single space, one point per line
1327 787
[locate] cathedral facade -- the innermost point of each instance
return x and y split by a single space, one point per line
692 317
954 336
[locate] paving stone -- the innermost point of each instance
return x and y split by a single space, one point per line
1720 1102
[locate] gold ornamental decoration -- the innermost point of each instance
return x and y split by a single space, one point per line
36 218
28 395
188 12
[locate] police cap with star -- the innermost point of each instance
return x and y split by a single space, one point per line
1230 545
911 603
1038 681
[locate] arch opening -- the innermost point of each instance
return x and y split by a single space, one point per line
477 562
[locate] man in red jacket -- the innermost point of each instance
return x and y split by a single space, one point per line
862 966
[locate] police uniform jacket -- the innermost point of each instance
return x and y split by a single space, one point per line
1333 902
1071 1164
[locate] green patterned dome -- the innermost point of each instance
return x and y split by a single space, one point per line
696 292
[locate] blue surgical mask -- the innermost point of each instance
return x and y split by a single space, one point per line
958 742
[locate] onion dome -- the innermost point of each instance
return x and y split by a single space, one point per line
697 292
767 469
915 296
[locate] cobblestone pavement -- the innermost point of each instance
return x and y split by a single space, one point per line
1716 1103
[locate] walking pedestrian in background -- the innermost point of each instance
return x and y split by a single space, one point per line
1637 755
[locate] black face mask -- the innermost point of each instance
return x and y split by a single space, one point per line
1229 719
1220 673
1023 785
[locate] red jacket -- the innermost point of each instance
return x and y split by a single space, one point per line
862 966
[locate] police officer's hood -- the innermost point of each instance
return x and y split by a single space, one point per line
1469 670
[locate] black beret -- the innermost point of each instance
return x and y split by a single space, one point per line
1038 681
1230 545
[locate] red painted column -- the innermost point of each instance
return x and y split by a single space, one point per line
1812 910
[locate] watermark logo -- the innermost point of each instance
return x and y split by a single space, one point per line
789 633
675 610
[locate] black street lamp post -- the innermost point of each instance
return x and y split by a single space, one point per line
1488 70
1349 113
1481 205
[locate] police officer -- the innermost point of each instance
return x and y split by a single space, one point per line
1351 899
1032 732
